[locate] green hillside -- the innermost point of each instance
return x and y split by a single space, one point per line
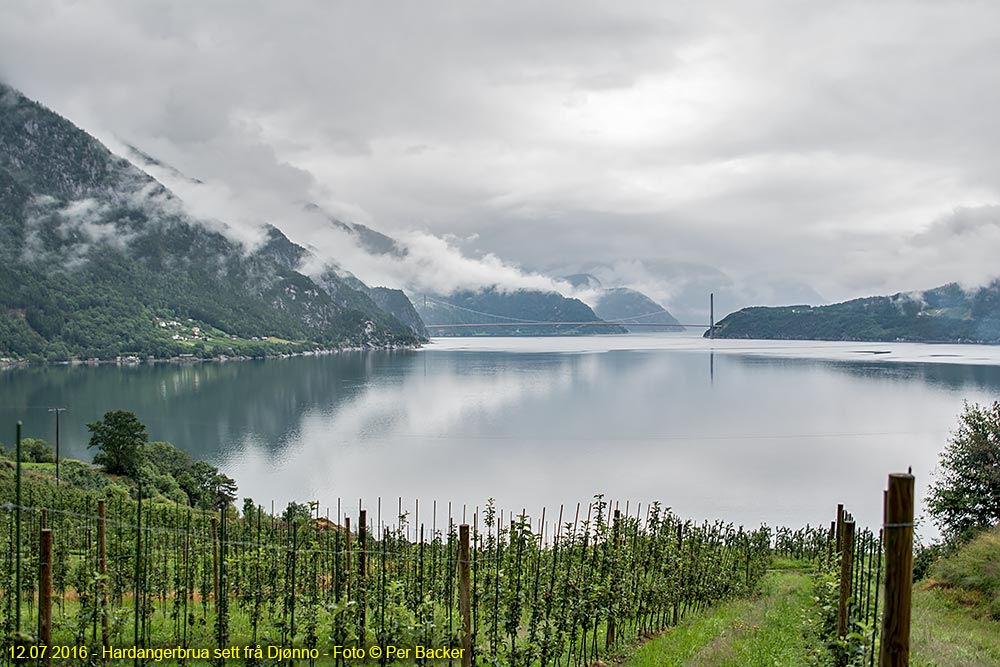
95 254
945 314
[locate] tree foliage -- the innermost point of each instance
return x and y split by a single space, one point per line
121 439
69 291
34 450
173 470
965 495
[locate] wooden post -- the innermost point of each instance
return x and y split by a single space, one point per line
840 527
829 544
102 570
45 594
846 563
465 593
898 533
362 553
215 561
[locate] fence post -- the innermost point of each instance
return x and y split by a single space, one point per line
898 538
465 593
45 594
215 561
17 537
348 579
846 565
840 527
138 565
362 567
829 544
612 636
102 570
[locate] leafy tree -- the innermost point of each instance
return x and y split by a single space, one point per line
36 451
297 511
223 491
167 459
206 487
965 495
121 437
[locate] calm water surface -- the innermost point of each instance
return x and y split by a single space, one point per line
746 431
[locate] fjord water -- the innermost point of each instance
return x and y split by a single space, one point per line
744 431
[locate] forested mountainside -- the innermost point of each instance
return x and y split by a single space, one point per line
98 259
631 306
948 313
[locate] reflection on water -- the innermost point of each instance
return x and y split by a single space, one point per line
715 430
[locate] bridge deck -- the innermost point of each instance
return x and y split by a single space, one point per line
546 324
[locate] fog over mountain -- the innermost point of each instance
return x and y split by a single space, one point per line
780 152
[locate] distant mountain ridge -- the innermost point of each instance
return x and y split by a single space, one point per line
630 307
944 314
493 305
97 256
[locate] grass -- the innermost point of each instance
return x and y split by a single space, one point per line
975 568
772 630
956 611
781 635
944 632
679 645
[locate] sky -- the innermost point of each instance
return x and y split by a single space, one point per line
836 149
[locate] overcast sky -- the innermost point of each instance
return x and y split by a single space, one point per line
852 146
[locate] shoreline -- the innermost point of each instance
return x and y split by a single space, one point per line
132 360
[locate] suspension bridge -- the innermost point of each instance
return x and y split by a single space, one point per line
633 321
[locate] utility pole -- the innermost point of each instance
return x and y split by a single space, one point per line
57 411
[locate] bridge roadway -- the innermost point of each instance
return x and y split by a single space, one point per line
546 324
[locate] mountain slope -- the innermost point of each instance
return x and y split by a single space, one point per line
628 305
944 314
96 255
495 306
396 303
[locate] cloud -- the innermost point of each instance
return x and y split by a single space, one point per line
957 247
68 232
430 263
817 142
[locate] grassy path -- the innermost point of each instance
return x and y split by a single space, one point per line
770 630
